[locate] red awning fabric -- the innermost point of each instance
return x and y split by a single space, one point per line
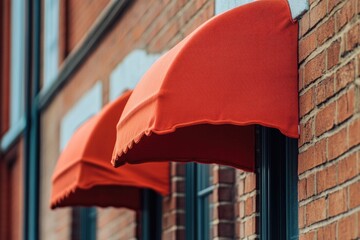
84 176
200 101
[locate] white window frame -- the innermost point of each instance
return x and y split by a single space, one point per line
88 105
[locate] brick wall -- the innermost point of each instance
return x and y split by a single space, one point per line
115 223
173 221
4 65
329 63
76 18
329 158
223 224
246 205
11 193
151 25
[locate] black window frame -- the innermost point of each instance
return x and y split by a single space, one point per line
151 216
277 166
84 223
197 207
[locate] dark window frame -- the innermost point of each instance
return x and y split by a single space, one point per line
278 184
84 223
151 216
197 208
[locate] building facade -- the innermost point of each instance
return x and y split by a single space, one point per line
62 61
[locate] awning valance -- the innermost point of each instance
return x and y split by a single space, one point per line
84 176
200 101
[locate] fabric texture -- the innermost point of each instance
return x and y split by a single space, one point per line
84 176
202 99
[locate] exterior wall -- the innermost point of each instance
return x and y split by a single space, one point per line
173 220
329 156
11 161
145 26
4 65
246 205
11 190
76 18
329 159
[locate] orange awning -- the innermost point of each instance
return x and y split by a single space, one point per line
200 101
84 176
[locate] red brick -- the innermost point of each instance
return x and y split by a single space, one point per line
310 185
240 187
337 202
204 14
345 75
326 31
177 169
317 13
315 211
224 230
346 13
354 195
250 183
358 60
304 23
314 68
306 160
224 194
312 157
353 38
347 168
224 175
354 133
226 211
302 189
301 78
320 151
325 119
79 23
249 206
325 89
242 209
345 105
326 178
306 132
327 232
163 38
337 144
307 45
347 228
332 4
307 102
250 226
308 236
301 217
333 54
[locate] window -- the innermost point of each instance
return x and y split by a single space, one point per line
51 41
17 67
198 198
83 226
278 185
151 216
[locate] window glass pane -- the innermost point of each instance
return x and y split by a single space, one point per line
199 197
84 222
51 40
17 61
